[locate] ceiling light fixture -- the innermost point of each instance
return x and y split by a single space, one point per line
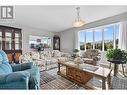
78 21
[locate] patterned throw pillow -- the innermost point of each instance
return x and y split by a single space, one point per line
57 53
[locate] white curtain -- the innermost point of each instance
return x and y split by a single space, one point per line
123 37
77 40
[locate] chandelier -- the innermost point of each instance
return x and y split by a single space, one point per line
78 21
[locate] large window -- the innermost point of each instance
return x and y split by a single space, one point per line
102 38
82 40
108 38
98 39
89 39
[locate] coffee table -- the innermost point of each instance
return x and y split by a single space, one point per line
103 73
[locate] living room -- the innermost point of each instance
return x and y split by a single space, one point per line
49 41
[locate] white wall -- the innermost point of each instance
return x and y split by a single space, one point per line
67 39
26 31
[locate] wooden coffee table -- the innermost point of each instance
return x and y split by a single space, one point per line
82 73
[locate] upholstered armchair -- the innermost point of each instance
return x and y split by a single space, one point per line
18 76
91 56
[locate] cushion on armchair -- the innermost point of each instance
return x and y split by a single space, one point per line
91 56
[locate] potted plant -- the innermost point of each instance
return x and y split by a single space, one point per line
75 53
116 54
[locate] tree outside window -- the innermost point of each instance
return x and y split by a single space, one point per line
108 38
82 40
89 39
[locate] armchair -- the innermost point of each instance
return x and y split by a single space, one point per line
18 76
91 56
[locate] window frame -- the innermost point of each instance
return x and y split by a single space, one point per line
103 40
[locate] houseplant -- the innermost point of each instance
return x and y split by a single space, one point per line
75 53
116 54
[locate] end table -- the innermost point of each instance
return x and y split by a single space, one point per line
116 63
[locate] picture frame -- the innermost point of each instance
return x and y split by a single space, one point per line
56 43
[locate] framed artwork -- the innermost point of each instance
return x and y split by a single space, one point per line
56 43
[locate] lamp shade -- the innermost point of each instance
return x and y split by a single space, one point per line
78 23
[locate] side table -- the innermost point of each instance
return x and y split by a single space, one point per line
116 63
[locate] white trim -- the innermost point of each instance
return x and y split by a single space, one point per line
85 41
103 40
99 27
114 37
93 39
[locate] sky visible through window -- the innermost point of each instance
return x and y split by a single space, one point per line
108 34
98 35
89 36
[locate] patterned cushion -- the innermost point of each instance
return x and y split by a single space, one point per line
56 53
47 57
91 56
63 59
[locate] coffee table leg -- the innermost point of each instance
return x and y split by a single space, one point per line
58 68
103 84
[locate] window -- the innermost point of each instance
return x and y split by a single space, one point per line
82 40
98 39
89 39
102 38
108 38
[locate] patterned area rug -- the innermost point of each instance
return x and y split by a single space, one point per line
56 82
119 83
50 80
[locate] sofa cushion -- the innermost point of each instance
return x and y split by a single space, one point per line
5 68
56 53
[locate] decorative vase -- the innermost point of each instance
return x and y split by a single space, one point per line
78 60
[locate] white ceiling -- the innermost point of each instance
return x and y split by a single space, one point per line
59 18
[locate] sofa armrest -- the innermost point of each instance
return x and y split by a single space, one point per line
21 67
97 58
14 77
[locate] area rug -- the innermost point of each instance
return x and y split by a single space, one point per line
56 82
119 83
50 80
